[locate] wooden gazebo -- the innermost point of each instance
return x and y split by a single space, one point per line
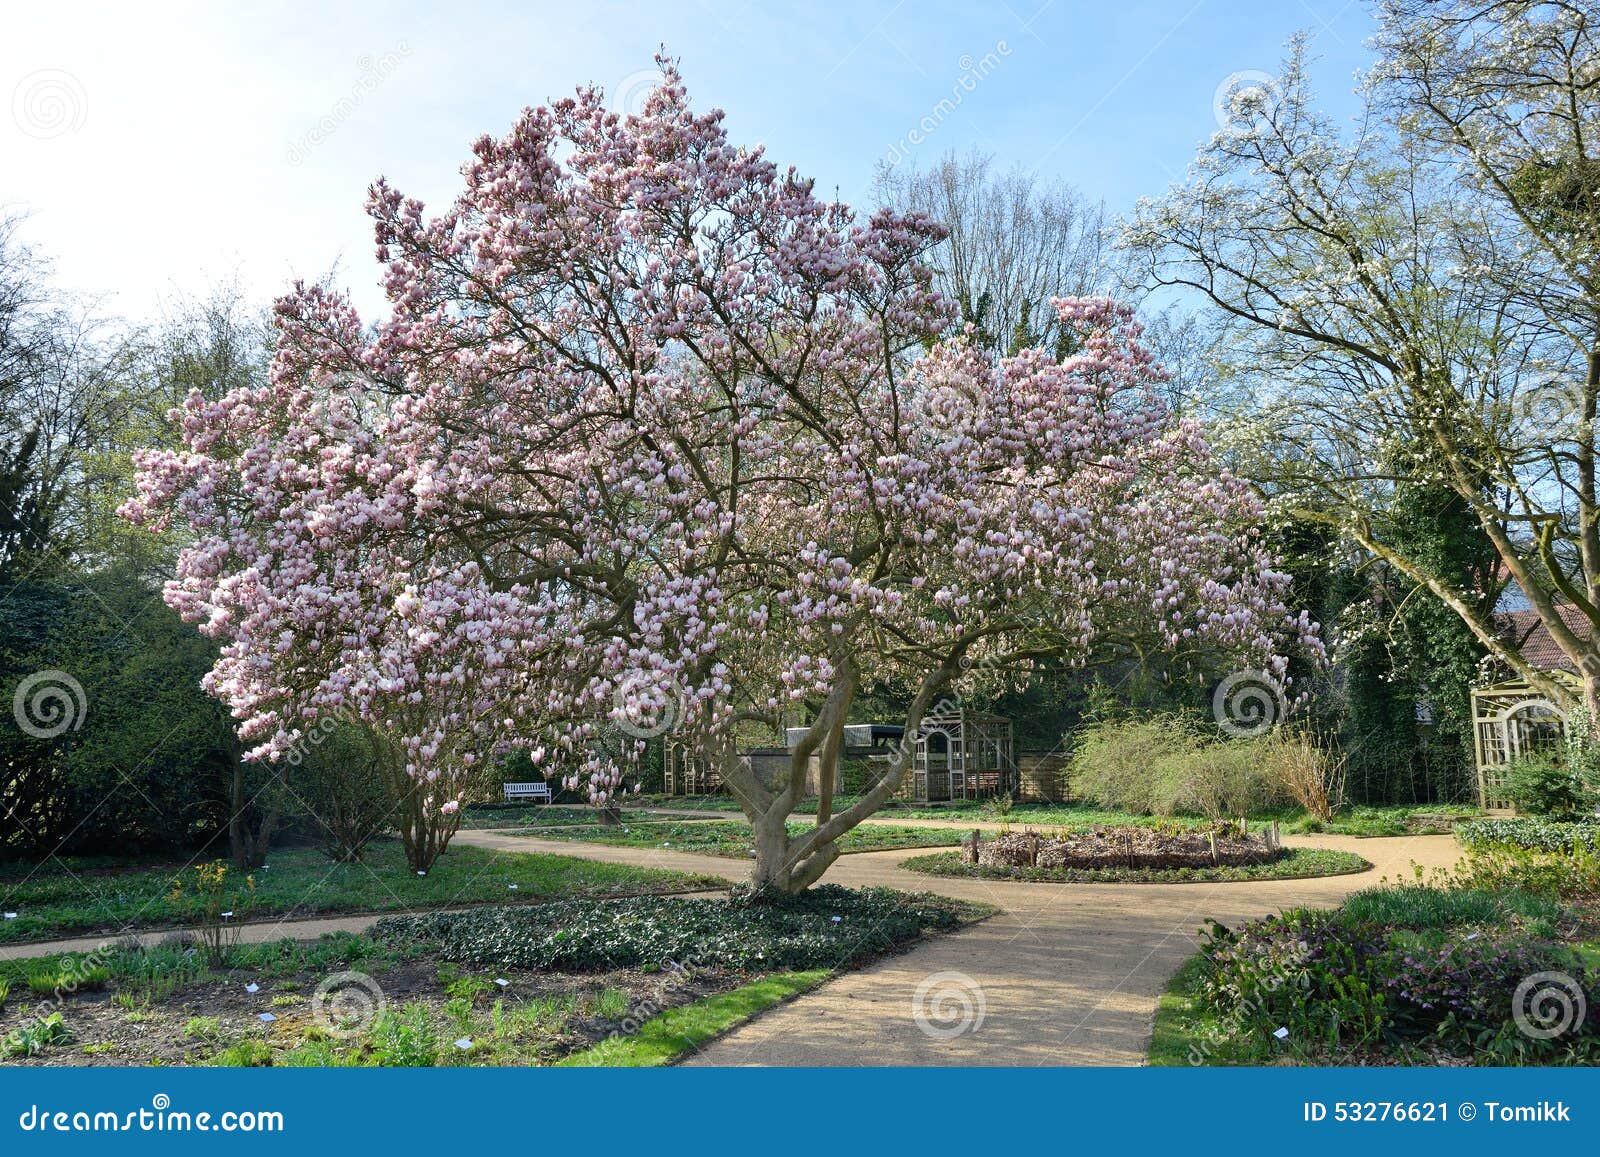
962 754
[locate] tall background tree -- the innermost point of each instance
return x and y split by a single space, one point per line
1411 306
1012 242
112 744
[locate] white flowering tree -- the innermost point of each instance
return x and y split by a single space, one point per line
1418 299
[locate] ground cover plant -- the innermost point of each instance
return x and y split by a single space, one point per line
1533 834
61 897
591 982
827 926
1411 973
1532 855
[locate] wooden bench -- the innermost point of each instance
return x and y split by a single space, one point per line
533 791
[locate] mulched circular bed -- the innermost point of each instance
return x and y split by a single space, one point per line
1137 855
1129 846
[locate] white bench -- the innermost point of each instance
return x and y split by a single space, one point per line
534 791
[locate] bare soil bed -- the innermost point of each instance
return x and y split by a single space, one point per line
542 1016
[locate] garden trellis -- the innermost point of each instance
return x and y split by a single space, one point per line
962 754
1511 720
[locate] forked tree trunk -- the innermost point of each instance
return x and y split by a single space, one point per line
785 864
425 831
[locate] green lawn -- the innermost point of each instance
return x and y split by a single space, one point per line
731 838
64 898
540 816
1294 864
665 1038
1185 1032
1395 820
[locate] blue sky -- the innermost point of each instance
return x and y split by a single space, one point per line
160 151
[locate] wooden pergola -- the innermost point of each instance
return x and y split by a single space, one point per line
1510 720
686 769
962 754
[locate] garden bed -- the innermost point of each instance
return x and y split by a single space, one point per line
1397 975
580 982
1128 846
1294 864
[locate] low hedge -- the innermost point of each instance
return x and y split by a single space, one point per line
1534 834
1293 864
826 927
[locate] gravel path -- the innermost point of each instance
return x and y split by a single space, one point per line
1065 974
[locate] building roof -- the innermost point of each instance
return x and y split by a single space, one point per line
1529 635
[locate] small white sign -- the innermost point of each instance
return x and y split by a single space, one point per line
252 988
513 887
422 873
227 915
265 1017
11 915
502 981
464 1043
1282 1034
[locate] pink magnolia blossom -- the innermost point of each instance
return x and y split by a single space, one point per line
652 438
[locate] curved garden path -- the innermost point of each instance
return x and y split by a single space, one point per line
1065 974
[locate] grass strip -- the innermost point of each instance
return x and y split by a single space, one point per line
663 1039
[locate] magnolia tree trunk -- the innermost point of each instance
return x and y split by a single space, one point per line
425 828
787 864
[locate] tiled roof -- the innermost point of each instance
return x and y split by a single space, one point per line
1529 635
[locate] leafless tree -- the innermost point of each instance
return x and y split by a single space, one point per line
1015 242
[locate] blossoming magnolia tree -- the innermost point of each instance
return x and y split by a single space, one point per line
653 435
